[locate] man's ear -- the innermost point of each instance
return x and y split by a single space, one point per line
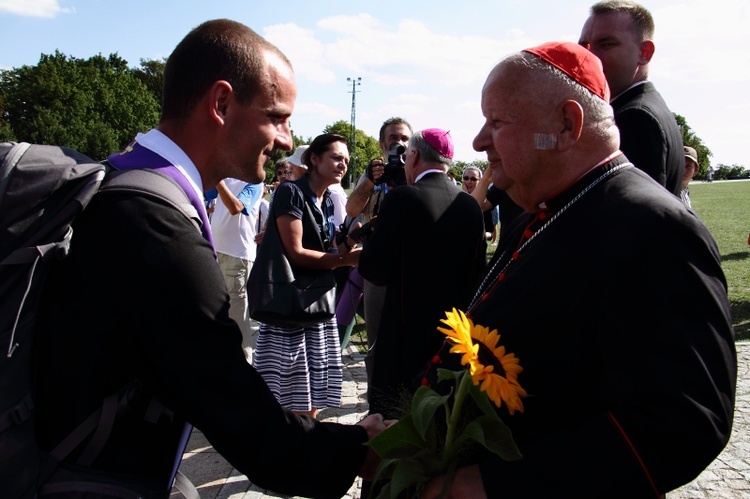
416 155
647 52
220 96
571 114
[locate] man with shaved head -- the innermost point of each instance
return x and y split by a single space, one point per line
137 315
621 34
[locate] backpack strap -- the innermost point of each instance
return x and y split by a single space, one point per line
17 414
154 184
99 424
9 163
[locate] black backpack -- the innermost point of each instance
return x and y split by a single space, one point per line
42 190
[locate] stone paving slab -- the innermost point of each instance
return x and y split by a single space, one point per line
727 477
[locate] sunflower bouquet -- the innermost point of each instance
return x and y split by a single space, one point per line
443 432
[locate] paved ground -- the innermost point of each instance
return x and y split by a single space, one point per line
727 477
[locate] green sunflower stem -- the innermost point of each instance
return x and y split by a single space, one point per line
455 414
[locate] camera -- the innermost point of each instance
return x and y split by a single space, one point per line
394 174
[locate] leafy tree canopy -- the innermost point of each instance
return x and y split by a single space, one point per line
96 105
151 73
361 150
690 139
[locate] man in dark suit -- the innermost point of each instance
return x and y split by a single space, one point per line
140 304
621 34
428 250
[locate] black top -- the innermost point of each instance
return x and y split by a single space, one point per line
626 342
649 135
142 298
428 250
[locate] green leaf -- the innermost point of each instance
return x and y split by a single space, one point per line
426 401
407 473
483 401
447 374
400 440
385 492
494 435
384 469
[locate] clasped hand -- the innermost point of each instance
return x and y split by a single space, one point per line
374 424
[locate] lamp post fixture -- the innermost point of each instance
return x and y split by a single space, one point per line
353 138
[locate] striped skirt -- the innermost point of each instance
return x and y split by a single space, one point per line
301 366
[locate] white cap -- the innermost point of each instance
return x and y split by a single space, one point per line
296 158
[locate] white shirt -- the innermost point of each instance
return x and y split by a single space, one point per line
234 235
433 170
338 196
162 145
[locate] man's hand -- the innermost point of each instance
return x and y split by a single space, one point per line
375 170
359 197
374 424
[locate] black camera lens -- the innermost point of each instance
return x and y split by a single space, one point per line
398 148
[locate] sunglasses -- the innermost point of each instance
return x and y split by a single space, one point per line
283 173
473 179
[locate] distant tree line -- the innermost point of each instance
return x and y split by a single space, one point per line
720 171
94 105
97 105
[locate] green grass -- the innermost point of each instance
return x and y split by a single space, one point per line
359 335
725 209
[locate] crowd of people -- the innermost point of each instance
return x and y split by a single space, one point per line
604 283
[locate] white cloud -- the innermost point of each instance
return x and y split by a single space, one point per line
323 111
34 8
306 53
433 75
702 40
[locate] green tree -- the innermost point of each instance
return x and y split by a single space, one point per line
690 139
364 149
151 73
725 172
460 166
95 105
6 133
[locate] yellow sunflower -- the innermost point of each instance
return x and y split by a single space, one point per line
501 385
459 333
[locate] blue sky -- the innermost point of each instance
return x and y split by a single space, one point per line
425 61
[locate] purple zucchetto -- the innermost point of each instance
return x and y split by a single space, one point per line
440 140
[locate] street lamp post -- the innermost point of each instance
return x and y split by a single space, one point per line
353 138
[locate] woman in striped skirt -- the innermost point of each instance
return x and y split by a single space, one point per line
302 365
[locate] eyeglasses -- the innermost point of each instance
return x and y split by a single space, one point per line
283 173
473 179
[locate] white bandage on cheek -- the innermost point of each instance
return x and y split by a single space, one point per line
545 141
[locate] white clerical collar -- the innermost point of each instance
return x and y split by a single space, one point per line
162 145
434 170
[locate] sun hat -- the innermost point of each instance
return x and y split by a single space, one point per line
296 158
692 154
